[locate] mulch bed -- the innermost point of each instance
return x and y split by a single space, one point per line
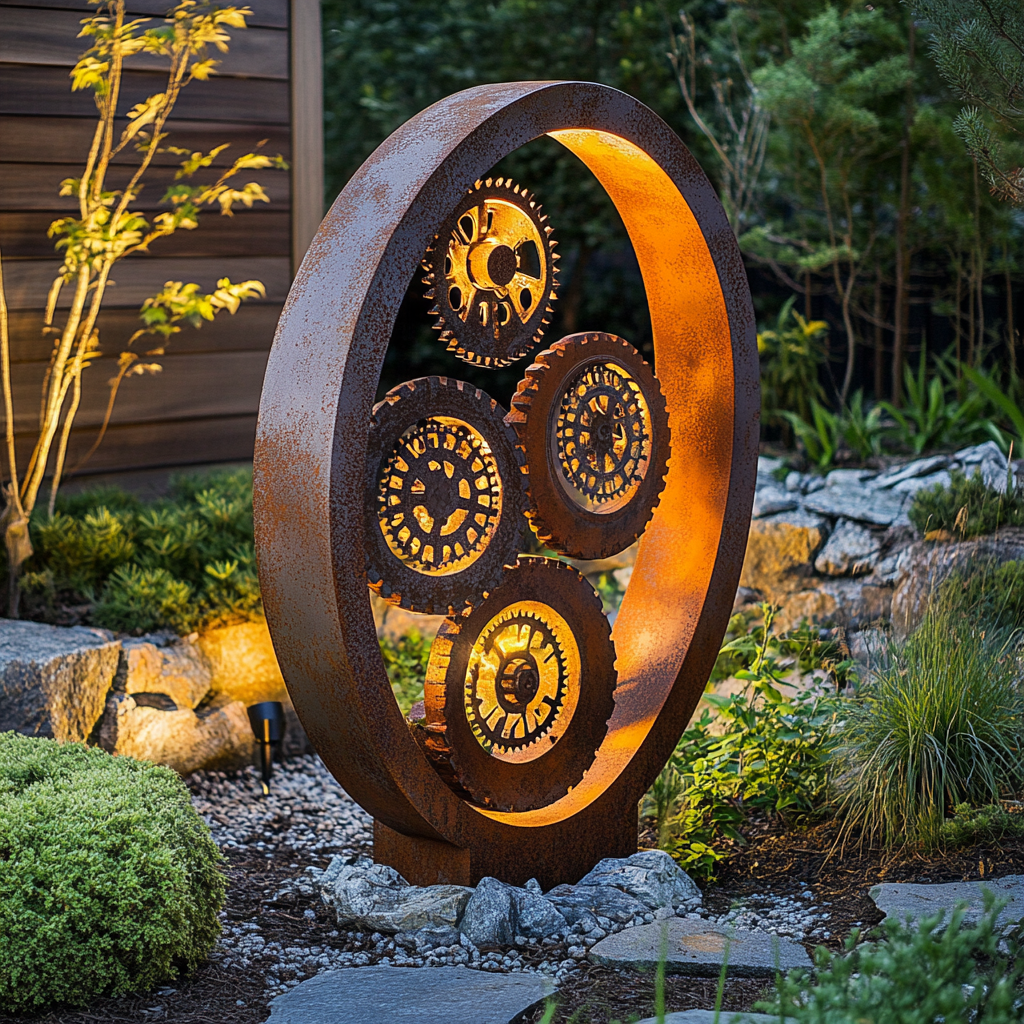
774 860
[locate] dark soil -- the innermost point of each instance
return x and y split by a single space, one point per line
774 860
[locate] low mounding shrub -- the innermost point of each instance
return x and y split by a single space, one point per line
966 508
916 974
109 880
992 594
940 724
183 563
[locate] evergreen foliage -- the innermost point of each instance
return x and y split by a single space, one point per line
966 508
109 880
406 661
182 563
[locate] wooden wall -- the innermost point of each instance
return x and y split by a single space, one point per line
202 407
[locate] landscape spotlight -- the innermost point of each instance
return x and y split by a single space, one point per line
268 725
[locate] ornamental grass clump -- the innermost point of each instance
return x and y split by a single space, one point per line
941 724
109 880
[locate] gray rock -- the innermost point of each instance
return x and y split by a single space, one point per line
920 467
489 919
780 553
771 499
926 564
434 936
581 903
851 603
979 453
900 900
993 473
851 550
794 481
709 1017
652 876
767 467
849 477
390 995
152 665
375 898
812 483
878 507
537 917
922 483
697 948
54 679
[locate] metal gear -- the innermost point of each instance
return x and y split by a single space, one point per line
593 423
491 271
519 690
446 496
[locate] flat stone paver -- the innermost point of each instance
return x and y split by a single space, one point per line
708 1017
898 900
424 995
697 948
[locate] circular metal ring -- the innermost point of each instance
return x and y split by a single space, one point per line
445 496
593 424
310 476
520 689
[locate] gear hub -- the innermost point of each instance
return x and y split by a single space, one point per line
491 271
447 496
593 424
520 689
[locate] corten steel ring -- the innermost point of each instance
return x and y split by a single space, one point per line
310 464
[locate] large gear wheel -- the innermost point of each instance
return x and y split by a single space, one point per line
491 272
446 496
520 689
593 423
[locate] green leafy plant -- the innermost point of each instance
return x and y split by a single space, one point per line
183 563
970 825
792 355
918 973
406 659
965 508
821 438
762 751
107 228
941 723
109 880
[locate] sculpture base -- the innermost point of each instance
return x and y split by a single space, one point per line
431 862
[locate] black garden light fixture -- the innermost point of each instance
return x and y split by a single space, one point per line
268 726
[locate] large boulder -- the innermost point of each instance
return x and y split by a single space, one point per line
54 679
780 553
376 898
217 736
498 912
926 564
172 666
652 876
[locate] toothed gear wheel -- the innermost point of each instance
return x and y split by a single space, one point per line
491 272
519 690
446 496
593 423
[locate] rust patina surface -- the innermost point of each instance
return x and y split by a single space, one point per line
311 454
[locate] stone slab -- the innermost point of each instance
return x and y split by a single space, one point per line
878 507
898 900
697 948
772 499
724 1017
424 995
54 679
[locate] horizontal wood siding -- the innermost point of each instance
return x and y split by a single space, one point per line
202 407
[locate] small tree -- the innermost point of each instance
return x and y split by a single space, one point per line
978 46
107 229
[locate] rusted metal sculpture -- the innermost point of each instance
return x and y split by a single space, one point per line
491 271
594 429
534 752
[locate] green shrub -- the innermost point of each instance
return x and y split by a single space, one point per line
186 562
966 508
993 594
766 752
916 974
109 880
406 661
940 724
971 825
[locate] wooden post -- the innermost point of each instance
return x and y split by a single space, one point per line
307 125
